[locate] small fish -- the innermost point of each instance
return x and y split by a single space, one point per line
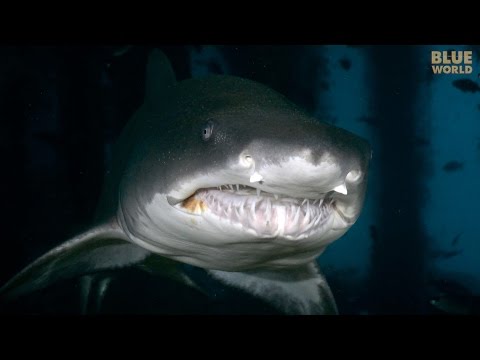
453 166
345 63
456 238
445 254
466 85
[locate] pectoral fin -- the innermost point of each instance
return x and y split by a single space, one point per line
102 247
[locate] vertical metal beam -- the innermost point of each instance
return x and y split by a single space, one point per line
397 273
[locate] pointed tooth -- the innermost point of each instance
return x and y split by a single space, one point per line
306 219
276 196
297 215
309 227
251 217
281 217
304 201
238 187
258 192
269 210
342 189
314 223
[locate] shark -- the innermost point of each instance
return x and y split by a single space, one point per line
224 174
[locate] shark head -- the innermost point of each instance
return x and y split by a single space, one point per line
225 173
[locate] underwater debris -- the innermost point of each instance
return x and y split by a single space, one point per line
345 63
466 85
453 166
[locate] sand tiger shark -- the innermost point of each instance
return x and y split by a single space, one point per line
224 174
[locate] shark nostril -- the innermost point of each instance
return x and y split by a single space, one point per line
246 160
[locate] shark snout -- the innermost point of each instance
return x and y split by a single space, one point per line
309 165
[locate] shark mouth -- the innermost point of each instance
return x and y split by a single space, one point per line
261 213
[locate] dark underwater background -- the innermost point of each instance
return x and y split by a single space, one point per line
417 241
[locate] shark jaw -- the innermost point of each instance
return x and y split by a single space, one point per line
259 213
241 218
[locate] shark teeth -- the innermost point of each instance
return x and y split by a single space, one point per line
265 214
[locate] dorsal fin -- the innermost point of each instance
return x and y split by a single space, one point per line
159 80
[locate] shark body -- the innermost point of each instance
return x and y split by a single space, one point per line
223 174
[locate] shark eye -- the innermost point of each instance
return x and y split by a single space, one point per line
207 130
